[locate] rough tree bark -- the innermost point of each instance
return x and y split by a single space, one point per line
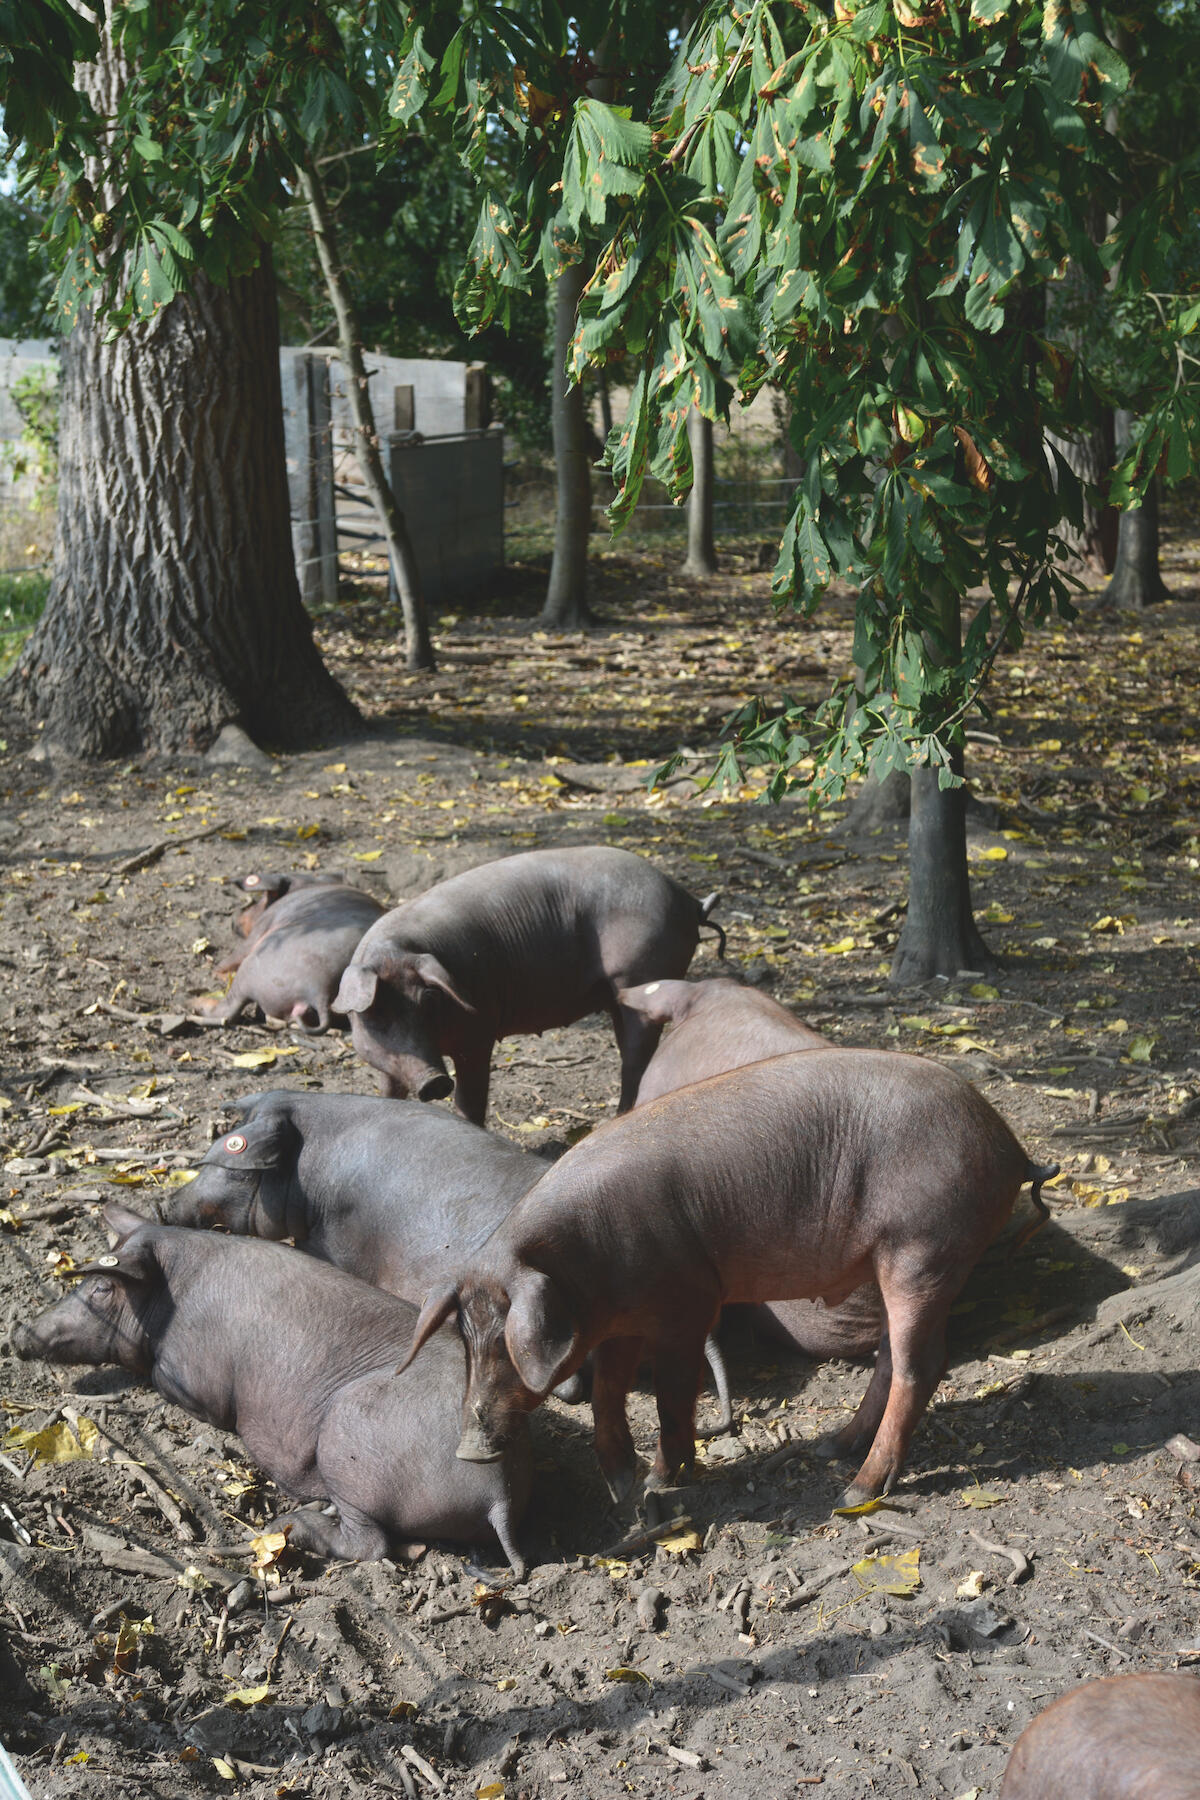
701 551
417 645
566 595
939 935
174 607
1136 580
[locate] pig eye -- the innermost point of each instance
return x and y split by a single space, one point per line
235 1144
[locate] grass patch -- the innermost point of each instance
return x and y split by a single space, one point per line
22 600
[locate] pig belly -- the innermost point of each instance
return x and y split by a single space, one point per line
850 1330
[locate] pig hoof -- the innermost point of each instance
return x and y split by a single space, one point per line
855 1496
620 1483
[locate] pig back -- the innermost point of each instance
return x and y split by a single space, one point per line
538 939
785 1177
1128 1737
397 1192
725 1027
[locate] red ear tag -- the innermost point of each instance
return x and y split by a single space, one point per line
235 1144
250 881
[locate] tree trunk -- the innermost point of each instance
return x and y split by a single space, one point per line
1135 579
879 803
417 644
566 595
701 553
173 607
939 935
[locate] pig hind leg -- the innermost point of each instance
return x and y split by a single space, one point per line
229 1009
916 1338
860 1432
351 1534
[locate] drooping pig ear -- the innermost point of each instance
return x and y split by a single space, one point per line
273 886
657 1001
264 1140
126 1263
122 1221
357 992
431 973
437 1309
540 1333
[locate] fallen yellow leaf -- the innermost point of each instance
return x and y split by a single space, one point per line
252 1696
982 1498
681 1542
56 1444
262 1059
898 1575
626 1674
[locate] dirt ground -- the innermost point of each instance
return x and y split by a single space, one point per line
1049 1529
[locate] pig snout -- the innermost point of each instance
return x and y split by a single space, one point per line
476 1444
25 1343
405 1079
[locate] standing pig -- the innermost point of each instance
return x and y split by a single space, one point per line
523 944
1128 1737
801 1176
298 943
391 1191
299 1359
714 1026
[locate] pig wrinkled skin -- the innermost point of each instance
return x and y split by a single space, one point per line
299 1359
391 1191
1127 1737
798 1177
300 934
711 1027
523 944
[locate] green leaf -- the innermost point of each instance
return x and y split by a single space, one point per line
411 86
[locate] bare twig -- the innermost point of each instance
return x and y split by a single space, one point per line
121 1457
638 1541
1020 1563
144 858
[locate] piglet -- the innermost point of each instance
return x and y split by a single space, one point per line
523 944
299 1359
1128 1737
300 934
799 1177
714 1026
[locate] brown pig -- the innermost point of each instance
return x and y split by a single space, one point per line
523 944
1128 1737
300 932
299 1359
799 1177
709 1028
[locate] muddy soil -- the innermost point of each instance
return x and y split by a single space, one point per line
1047 1524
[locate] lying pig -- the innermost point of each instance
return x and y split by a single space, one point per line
299 1359
1128 1737
298 942
263 891
391 1191
798 1177
714 1026
529 942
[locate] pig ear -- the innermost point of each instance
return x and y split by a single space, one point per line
430 972
357 992
437 1309
657 1001
273 886
262 1141
539 1332
122 1221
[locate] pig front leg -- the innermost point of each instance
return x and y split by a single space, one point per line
350 1535
614 1371
472 1075
637 1040
678 1374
